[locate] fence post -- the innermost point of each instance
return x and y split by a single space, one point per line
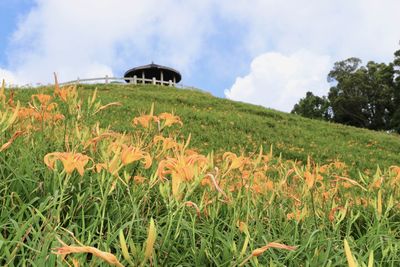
134 80
154 80
106 79
170 83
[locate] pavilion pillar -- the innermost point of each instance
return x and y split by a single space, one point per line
142 76
162 78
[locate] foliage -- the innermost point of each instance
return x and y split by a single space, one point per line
362 96
78 193
313 107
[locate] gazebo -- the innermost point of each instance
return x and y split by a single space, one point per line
153 73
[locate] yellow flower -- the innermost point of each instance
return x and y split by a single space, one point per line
70 161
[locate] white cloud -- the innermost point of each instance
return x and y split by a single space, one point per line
362 28
279 81
78 38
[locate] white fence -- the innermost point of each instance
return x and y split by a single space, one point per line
132 80
114 80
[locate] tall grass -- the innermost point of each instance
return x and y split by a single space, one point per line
221 125
75 193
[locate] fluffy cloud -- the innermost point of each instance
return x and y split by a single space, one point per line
93 38
279 81
341 28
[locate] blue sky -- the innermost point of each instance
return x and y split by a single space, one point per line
10 13
266 52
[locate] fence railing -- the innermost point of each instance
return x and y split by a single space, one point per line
123 80
115 80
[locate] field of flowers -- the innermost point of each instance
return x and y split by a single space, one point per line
77 193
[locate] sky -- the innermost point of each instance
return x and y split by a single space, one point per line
264 52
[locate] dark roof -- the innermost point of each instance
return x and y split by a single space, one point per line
154 70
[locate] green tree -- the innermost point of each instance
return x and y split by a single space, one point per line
312 106
395 120
362 96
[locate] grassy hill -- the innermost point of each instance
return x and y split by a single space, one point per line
76 194
223 125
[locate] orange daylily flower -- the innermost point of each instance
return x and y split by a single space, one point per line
309 179
170 119
395 170
167 142
112 166
10 101
294 215
194 205
139 179
65 93
183 168
236 162
94 141
242 226
70 161
25 113
11 140
144 120
42 98
131 154
331 215
257 252
105 256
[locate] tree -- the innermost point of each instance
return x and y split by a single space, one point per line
395 120
362 96
312 106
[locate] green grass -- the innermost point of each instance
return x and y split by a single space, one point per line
223 125
40 206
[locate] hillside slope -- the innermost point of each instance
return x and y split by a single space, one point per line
220 124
